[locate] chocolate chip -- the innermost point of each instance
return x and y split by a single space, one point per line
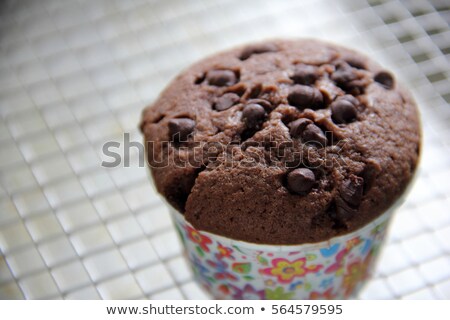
350 98
226 101
356 62
180 129
343 75
314 134
298 126
369 173
385 79
257 49
303 97
343 109
200 79
343 212
264 103
349 79
253 114
255 91
301 180
305 74
351 190
221 78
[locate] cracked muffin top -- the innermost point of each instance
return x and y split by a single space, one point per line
282 142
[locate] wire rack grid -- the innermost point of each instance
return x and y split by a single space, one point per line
76 74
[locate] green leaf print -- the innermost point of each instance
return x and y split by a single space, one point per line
199 251
278 294
262 260
242 267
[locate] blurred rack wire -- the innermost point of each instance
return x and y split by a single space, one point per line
75 74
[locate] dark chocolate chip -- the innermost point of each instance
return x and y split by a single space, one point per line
253 114
349 79
180 129
226 101
350 98
264 103
351 190
343 212
257 49
369 174
298 126
344 73
304 97
255 91
343 110
301 180
200 79
385 79
221 78
356 62
305 74
314 134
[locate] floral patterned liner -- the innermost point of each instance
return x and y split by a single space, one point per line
333 269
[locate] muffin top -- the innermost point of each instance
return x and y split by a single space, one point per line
282 142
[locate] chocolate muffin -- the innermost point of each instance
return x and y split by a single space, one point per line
282 142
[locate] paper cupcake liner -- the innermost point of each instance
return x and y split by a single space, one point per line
333 269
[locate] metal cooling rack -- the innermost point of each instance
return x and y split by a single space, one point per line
74 74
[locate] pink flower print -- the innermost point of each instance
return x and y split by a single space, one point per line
338 265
